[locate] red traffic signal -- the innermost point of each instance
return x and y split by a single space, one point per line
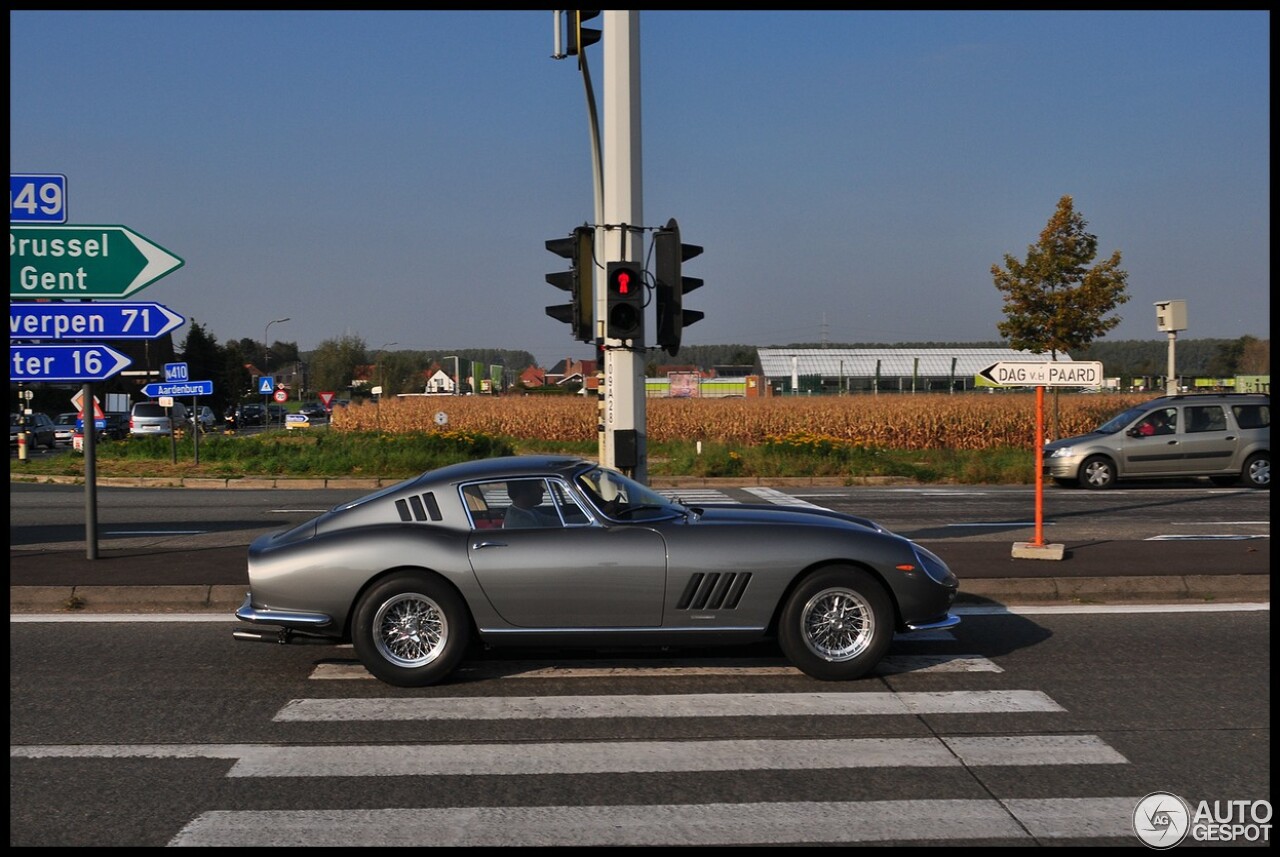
625 299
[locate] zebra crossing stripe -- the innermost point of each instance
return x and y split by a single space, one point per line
1019 821
684 705
612 757
694 496
772 495
891 665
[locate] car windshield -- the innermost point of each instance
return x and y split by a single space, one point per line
1119 421
624 499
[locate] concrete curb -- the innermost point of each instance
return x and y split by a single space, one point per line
203 598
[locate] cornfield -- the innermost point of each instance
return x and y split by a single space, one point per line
972 421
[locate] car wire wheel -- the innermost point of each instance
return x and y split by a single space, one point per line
410 630
838 623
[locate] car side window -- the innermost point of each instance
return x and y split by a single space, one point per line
516 503
1160 422
1252 416
1202 418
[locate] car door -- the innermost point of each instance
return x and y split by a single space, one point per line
1156 454
1208 443
576 576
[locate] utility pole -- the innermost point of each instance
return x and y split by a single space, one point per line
625 446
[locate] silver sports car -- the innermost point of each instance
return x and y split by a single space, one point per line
558 551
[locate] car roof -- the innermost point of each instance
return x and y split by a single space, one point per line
509 466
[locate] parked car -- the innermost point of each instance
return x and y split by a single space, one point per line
149 418
117 425
276 414
413 573
41 430
64 427
1224 436
245 414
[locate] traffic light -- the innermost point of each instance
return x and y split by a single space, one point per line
580 36
578 313
625 300
670 285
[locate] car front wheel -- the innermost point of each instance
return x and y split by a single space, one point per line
1097 473
410 630
837 624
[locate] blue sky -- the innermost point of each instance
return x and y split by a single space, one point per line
852 176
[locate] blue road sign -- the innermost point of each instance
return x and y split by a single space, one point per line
136 320
180 388
266 385
37 198
175 371
64 362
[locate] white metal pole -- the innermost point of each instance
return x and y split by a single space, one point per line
623 206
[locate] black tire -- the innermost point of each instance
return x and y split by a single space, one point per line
411 629
1098 473
837 624
1257 471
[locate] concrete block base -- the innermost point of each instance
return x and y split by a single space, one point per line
1027 550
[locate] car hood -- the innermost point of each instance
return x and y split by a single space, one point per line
1075 441
751 513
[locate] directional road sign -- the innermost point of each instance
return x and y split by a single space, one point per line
37 198
64 362
1070 373
178 388
83 262
123 320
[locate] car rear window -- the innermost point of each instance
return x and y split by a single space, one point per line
144 409
1252 416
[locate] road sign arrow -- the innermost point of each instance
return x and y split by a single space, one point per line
124 320
1061 373
64 362
83 262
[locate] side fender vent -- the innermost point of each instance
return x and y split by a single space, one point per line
714 591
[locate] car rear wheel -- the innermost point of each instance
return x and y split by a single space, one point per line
1257 470
1098 472
410 630
837 624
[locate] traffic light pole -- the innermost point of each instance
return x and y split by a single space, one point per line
624 446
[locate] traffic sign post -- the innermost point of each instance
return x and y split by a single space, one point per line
178 388
64 362
37 198
124 320
83 262
1073 373
1065 373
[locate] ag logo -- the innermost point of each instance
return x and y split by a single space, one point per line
1161 820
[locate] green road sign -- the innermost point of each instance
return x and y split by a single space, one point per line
83 262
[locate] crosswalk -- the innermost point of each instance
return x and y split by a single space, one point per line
645 734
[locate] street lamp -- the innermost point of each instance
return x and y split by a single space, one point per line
454 358
266 358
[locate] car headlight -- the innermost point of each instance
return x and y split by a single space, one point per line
934 566
1061 452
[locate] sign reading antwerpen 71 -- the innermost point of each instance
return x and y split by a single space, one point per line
83 262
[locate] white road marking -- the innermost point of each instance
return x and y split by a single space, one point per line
772 495
835 704
671 824
609 757
333 671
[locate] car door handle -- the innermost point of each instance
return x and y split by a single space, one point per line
479 545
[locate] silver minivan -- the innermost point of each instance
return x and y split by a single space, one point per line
1224 436
150 418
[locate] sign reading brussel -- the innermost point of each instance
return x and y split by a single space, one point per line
83 262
